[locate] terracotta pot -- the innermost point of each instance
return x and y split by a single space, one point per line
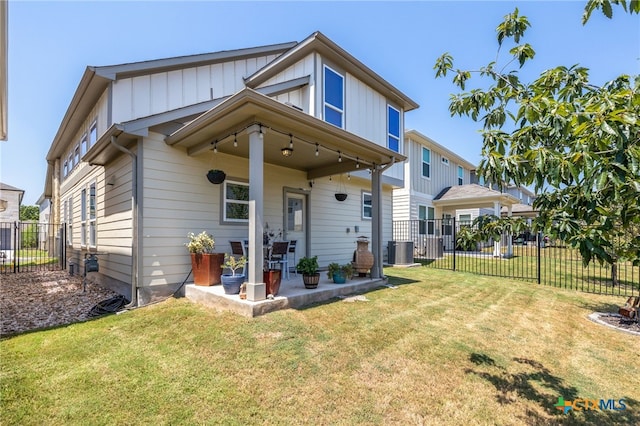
207 268
362 257
272 279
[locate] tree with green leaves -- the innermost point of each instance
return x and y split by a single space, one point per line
29 213
575 142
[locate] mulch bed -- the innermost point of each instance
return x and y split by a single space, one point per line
617 321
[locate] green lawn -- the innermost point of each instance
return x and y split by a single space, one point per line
441 348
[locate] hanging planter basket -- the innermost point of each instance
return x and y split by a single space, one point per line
216 176
340 196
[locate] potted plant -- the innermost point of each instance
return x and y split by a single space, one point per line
340 273
216 176
272 279
308 266
231 283
205 264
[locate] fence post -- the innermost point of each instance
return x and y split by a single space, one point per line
539 239
453 221
15 247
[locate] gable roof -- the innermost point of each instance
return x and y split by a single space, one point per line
318 42
426 140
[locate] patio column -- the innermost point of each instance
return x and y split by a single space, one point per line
509 235
376 222
256 289
497 245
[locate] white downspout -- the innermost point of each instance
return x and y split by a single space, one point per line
134 219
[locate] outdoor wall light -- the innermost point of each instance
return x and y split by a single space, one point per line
286 152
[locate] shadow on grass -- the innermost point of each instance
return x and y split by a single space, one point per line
531 380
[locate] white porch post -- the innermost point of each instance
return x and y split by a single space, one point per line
497 245
509 236
376 222
256 289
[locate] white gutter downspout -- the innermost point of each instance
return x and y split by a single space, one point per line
134 218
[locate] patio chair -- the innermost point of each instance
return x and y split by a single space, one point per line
279 256
292 250
237 249
630 309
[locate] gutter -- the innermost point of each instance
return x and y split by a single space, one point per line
134 213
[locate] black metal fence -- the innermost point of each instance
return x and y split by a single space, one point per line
447 244
31 246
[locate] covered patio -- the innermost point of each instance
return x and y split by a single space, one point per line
266 131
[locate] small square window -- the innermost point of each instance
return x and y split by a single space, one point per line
367 205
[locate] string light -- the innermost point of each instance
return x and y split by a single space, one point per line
261 134
357 162
215 146
339 157
290 141
317 151
349 176
235 139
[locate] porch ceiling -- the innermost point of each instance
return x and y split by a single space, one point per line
230 120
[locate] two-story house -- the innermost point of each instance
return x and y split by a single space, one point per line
439 186
290 124
10 201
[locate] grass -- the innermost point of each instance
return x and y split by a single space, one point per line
441 348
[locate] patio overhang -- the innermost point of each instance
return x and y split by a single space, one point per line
319 148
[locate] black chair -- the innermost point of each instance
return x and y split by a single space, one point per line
279 256
292 250
237 249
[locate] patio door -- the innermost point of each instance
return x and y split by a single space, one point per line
296 223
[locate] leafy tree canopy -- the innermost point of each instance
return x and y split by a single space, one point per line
29 212
575 142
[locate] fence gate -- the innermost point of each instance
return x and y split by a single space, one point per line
31 246
450 244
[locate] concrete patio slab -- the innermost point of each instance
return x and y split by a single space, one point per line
292 294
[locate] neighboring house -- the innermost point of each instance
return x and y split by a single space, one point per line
290 124
10 201
47 231
440 185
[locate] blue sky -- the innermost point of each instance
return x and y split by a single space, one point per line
51 43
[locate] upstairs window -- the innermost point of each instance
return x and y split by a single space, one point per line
393 129
333 97
76 155
84 145
460 175
236 201
65 169
93 134
426 163
70 221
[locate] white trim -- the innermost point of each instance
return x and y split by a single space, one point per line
225 219
422 162
324 96
389 135
362 205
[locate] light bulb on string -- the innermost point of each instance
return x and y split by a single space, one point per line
235 140
317 151
339 157
215 147
357 162
290 141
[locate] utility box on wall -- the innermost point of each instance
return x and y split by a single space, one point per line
400 252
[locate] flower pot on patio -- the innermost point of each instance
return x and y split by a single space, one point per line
207 268
231 283
272 279
311 281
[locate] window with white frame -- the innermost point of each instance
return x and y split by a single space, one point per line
84 145
65 169
464 220
426 162
460 175
236 201
83 217
92 214
367 205
393 129
76 154
333 97
70 161
70 221
445 161
93 134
